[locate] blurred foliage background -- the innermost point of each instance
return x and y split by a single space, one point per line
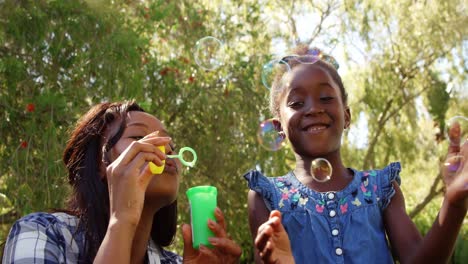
404 64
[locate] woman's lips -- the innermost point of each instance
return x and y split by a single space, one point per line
170 166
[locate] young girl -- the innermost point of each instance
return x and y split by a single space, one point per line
356 216
119 212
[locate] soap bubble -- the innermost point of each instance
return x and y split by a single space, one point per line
321 170
457 133
271 71
269 135
209 53
457 130
453 164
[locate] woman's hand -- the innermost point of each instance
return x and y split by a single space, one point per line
225 250
455 170
272 241
128 177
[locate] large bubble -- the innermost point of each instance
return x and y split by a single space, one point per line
274 69
457 130
269 136
209 53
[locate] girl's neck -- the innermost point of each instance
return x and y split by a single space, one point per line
340 178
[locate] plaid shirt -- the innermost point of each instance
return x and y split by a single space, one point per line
52 238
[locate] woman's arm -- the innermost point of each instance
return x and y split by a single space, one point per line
128 177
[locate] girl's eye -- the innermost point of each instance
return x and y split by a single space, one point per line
326 98
295 104
136 137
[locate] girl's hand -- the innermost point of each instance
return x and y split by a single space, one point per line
455 170
225 250
129 175
272 241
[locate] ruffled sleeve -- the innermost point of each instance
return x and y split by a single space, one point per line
263 186
387 176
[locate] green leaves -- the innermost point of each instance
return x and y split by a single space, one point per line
60 57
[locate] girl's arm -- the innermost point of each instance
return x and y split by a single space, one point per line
270 238
258 214
437 246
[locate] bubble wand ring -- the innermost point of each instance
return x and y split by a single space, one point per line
181 157
159 169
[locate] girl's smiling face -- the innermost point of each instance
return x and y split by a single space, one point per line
312 112
165 186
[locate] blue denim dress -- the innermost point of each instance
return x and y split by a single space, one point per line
333 227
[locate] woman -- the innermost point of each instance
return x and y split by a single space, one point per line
118 212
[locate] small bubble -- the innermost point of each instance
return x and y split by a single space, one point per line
321 170
274 69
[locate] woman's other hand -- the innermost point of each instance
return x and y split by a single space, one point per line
225 250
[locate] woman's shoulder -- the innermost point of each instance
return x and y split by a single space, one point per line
165 256
170 257
44 237
46 219
58 224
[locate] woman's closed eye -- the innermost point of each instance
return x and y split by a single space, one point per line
173 147
136 137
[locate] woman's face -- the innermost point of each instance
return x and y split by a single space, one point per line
163 187
312 112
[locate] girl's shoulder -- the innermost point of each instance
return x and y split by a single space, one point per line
383 177
256 178
378 183
268 187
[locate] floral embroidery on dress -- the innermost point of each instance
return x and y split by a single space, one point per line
320 206
344 208
290 193
303 201
366 188
356 202
343 205
371 173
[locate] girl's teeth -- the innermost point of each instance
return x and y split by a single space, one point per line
316 128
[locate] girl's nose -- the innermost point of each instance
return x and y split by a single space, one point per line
313 108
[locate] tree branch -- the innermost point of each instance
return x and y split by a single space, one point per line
433 192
